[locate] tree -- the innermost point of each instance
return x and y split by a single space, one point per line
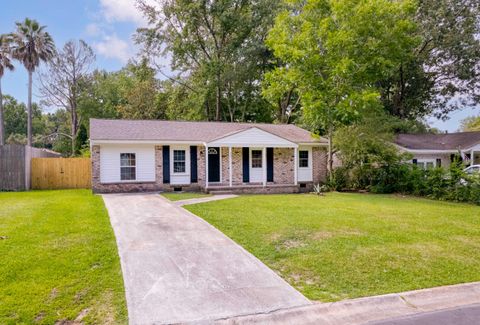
32 44
62 81
15 116
5 64
443 73
334 52
217 45
471 123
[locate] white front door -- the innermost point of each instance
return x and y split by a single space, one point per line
256 165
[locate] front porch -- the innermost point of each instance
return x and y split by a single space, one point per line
256 161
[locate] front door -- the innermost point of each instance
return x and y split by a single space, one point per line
214 164
256 166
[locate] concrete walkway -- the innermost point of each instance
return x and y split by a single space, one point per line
433 306
205 199
178 268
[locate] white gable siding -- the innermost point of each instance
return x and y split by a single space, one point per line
110 162
253 137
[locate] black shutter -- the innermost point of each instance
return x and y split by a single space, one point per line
439 162
193 164
245 160
414 161
269 164
166 164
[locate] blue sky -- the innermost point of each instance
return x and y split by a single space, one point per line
108 26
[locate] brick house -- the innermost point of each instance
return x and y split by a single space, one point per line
438 150
153 155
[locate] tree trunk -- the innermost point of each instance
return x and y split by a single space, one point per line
330 152
29 109
2 123
218 102
74 129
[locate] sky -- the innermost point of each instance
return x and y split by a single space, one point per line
108 26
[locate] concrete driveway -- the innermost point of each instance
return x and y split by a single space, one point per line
178 268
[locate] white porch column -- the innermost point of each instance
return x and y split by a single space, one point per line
471 157
230 173
206 166
264 165
295 162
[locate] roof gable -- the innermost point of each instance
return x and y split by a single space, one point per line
250 138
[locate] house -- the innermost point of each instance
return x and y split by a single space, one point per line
438 150
153 155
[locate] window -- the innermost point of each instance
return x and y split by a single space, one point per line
127 167
303 159
256 158
179 161
426 163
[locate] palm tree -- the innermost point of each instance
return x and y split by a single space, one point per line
5 64
32 44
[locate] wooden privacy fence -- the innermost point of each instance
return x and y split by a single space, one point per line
15 165
61 173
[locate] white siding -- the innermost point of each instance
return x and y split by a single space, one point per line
252 138
305 173
110 162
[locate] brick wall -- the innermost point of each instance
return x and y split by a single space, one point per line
319 156
201 165
283 166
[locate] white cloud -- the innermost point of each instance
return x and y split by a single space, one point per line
115 48
92 29
123 11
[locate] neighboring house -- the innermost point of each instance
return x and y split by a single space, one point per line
436 150
152 155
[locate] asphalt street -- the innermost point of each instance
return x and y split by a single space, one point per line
464 315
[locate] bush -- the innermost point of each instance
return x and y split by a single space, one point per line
439 183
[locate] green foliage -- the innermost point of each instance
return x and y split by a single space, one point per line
471 123
442 73
218 46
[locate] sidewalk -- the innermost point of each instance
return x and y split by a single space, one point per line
370 309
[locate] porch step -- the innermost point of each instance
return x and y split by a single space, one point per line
219 191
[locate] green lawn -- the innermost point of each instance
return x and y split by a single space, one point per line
59 260
177 196
347 245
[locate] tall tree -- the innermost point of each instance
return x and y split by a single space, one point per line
214 43
443 73
61 82
334 51
31 45
5 64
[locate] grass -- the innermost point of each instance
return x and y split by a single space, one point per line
177 196
346 245
59 260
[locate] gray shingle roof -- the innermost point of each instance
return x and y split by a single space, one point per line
443 141
104 129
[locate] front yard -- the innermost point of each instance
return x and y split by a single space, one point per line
347 245
59 260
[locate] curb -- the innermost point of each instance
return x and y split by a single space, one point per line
369 309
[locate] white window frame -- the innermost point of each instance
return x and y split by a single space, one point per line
251 158
129 166
309 159
173 161
423 163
